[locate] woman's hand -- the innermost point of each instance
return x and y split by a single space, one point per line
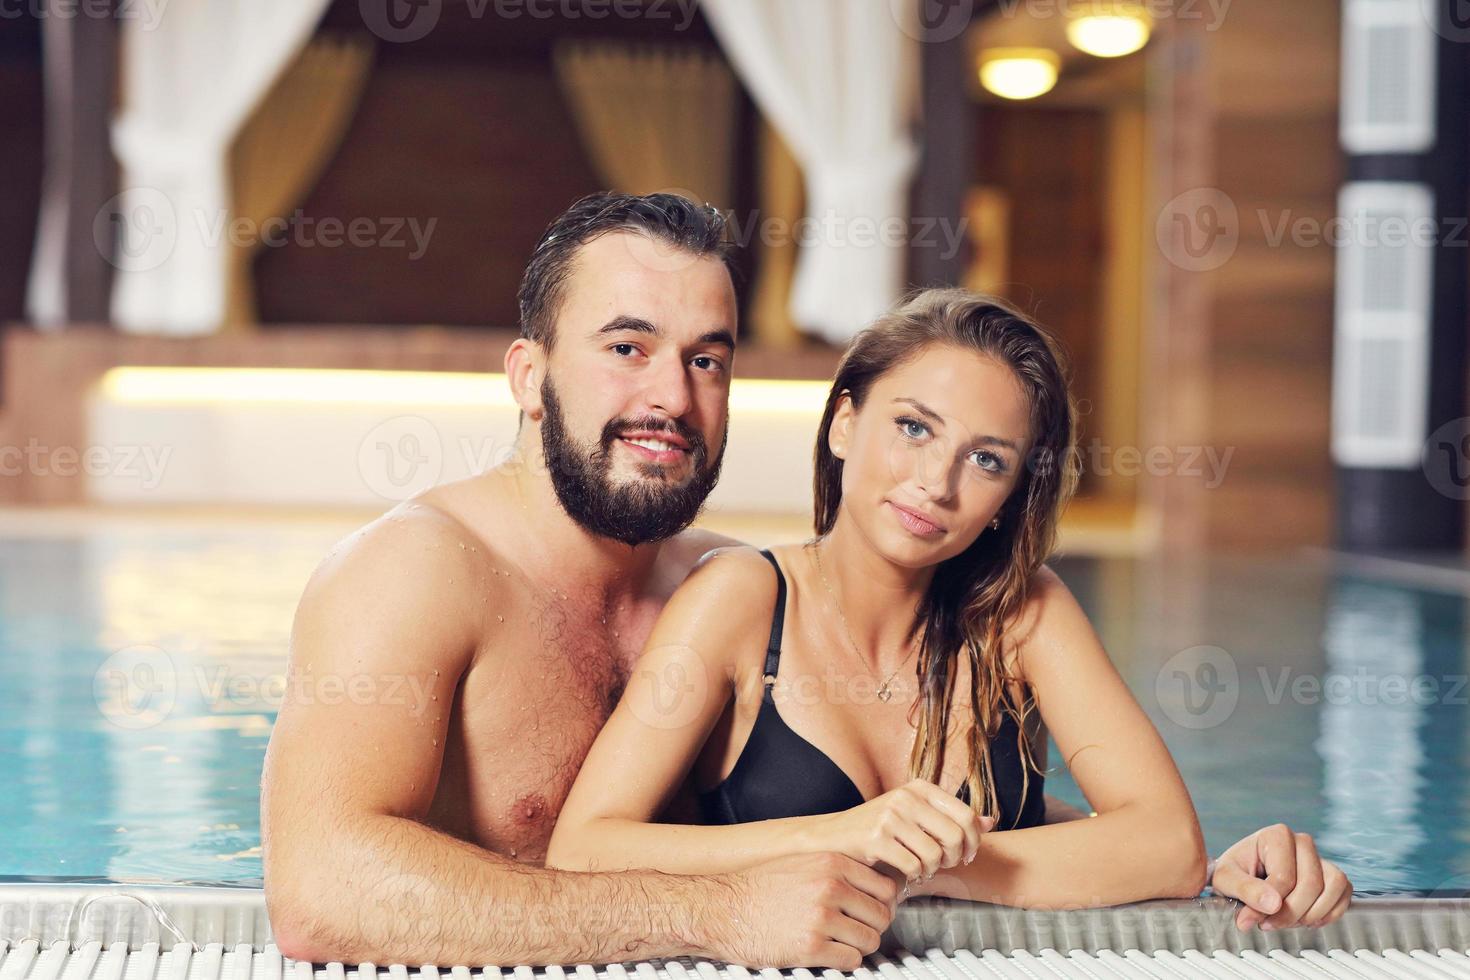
1281 881
917 830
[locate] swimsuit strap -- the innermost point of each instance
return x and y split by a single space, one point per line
773 648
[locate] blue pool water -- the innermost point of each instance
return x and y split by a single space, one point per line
141 669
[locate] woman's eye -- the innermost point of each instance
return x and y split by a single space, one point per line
989 462
913 428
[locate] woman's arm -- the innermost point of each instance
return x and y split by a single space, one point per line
1060 811
677 691
1145 841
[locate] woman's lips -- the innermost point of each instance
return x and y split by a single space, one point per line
915 522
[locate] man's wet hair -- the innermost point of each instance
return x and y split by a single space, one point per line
699 229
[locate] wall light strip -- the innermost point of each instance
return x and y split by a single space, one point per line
220 386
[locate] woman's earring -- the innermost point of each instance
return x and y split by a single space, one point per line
995 524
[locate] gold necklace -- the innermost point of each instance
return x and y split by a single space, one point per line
885 693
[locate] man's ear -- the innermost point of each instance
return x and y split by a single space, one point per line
525 368
840 431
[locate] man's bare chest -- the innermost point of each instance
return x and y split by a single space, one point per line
525 720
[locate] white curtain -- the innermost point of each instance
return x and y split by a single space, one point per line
838 80
190 78
46 281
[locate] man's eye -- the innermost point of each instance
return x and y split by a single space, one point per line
623 350
706 363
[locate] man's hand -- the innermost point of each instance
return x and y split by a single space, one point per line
809 910
1281 881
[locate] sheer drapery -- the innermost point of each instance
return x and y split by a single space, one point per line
190 79
838 80
653 118
283 148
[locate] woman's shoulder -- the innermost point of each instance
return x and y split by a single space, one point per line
737 566
724 609
1045 590
734 578
1050 622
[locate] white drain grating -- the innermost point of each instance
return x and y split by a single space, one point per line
122 932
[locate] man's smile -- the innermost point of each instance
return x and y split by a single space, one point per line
656 447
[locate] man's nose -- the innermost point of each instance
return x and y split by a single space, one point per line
668 390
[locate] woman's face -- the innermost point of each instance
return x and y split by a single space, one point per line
933 453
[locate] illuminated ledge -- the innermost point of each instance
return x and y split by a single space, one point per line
214 385
935 939
364 438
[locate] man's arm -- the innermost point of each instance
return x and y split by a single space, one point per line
386 629
381 639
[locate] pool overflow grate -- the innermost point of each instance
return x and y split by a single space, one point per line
125 932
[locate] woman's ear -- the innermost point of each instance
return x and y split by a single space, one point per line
839 433
525 367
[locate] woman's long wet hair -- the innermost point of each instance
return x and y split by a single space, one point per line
977 593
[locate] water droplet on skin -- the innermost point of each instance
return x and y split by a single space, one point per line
433 697
461 546
500 619
451 581
436 673
434 740
512 852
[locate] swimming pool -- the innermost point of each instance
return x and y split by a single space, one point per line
142 666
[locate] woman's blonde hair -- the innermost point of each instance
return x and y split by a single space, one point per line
975 594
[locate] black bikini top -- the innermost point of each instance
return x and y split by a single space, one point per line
780 774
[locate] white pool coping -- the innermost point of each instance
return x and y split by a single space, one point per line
164 916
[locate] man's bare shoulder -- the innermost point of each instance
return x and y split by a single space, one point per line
418 561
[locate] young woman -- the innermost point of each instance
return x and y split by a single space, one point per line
873 691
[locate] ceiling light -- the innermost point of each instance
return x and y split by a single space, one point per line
1019 73
1109 35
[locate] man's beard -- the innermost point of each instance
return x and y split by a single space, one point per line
634 513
